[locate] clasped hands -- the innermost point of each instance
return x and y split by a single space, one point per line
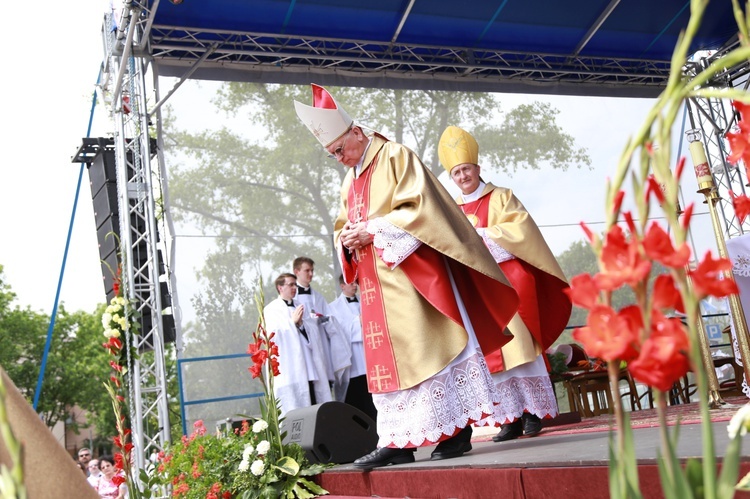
355 236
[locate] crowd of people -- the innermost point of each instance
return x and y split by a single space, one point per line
100 474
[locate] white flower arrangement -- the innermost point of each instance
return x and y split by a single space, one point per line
263 447
259 426
115 317
258 467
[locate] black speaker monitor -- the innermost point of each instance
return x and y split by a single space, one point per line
331 432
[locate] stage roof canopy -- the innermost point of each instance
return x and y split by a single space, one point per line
577 47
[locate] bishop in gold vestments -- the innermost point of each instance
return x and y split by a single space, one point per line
432 297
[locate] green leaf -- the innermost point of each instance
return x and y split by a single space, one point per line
287 465
313 487
730 468
694 475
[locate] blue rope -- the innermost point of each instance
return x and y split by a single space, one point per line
51 327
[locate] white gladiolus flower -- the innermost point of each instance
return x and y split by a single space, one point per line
257 467
244 465
259 426
740 422
263 447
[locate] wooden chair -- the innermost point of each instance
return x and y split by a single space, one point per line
589 394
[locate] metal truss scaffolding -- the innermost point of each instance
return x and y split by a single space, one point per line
710 120
124 90
261 56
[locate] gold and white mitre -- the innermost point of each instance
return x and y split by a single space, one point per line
457 147
325 118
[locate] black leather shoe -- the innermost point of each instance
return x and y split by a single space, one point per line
531 424
509 431
383 457
456 446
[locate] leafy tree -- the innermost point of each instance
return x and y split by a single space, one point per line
76 363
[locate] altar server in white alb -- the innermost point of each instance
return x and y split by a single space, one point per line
347 312
302 379
333 341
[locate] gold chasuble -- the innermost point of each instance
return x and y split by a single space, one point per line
534 273
411 324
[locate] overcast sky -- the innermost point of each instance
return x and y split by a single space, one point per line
52 70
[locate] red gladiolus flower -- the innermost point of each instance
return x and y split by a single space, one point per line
609 335
617 204
589 234
679 168
255 370
275 366
666 294
658 245
664 355
687 215
739 143
119 460
708 278
741 205
119 480
583 291
622 262
655 189
630 222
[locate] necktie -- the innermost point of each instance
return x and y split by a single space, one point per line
351 299
303 291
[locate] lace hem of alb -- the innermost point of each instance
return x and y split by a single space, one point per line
526 394
439 406
499 253
395 243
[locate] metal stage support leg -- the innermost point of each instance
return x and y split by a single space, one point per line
124 89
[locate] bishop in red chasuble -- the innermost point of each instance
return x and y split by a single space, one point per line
433 299
517 245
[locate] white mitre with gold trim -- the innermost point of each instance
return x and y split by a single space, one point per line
325 118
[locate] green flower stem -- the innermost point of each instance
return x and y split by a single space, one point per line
613 369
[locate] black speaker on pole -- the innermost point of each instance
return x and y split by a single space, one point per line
331 432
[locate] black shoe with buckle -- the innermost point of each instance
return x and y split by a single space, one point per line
531 424
456 446
384 456
509 431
